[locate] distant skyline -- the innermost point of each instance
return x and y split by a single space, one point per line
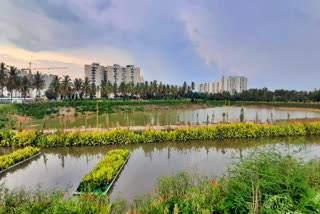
276 44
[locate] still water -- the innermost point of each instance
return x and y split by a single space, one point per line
63 168
173 117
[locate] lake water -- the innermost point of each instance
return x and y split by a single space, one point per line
173 117
63 168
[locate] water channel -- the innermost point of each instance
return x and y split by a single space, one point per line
63 168
172 117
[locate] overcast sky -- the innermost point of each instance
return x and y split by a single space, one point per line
276 44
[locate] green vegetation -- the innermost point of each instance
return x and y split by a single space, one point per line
123 136
67 89
262 182
8 160
12 81
39 110
102 174
22 201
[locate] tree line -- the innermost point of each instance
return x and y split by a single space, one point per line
66 89
83 88
13 79
264 95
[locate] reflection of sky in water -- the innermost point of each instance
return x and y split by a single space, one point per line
161 117
63 168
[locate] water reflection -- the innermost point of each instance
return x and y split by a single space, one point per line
171 117
63 168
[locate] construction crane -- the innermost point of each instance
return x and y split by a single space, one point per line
44 68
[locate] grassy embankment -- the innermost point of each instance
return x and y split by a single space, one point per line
263 182
123 136
39 110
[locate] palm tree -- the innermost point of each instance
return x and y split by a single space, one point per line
86 88
3 77
78 85
54 88
123 89
38 82
13 80
25 86
115 89
193 86
66 86
107 89
93 90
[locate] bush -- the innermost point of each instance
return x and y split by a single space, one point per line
8 160
263 182
123 136
22 201
103 173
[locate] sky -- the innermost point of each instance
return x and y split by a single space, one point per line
276 44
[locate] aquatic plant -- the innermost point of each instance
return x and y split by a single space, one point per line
124 136
103 173
21 154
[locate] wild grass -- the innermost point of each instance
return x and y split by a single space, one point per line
261 182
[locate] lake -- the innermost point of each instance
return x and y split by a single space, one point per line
63 168
172 117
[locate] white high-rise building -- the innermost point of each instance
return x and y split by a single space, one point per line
113 74
231 84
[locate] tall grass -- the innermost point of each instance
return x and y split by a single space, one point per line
263 182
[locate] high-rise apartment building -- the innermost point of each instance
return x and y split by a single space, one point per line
113 74
231 84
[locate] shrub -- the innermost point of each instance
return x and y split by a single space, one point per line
103 173
8 160
124 136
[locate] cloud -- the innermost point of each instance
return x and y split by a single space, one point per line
73 59
171 41
269 42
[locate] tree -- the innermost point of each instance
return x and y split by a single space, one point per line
115 89
54 89
3 77
25 86
66 86
241 115
13 80
93 90
38 82
86 88
123 89
107 89
78 86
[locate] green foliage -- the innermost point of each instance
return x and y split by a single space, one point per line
39 110
241 115
22 201
183 193
103 173
263 182
124 136
8 160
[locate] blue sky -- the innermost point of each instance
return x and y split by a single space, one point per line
276 44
